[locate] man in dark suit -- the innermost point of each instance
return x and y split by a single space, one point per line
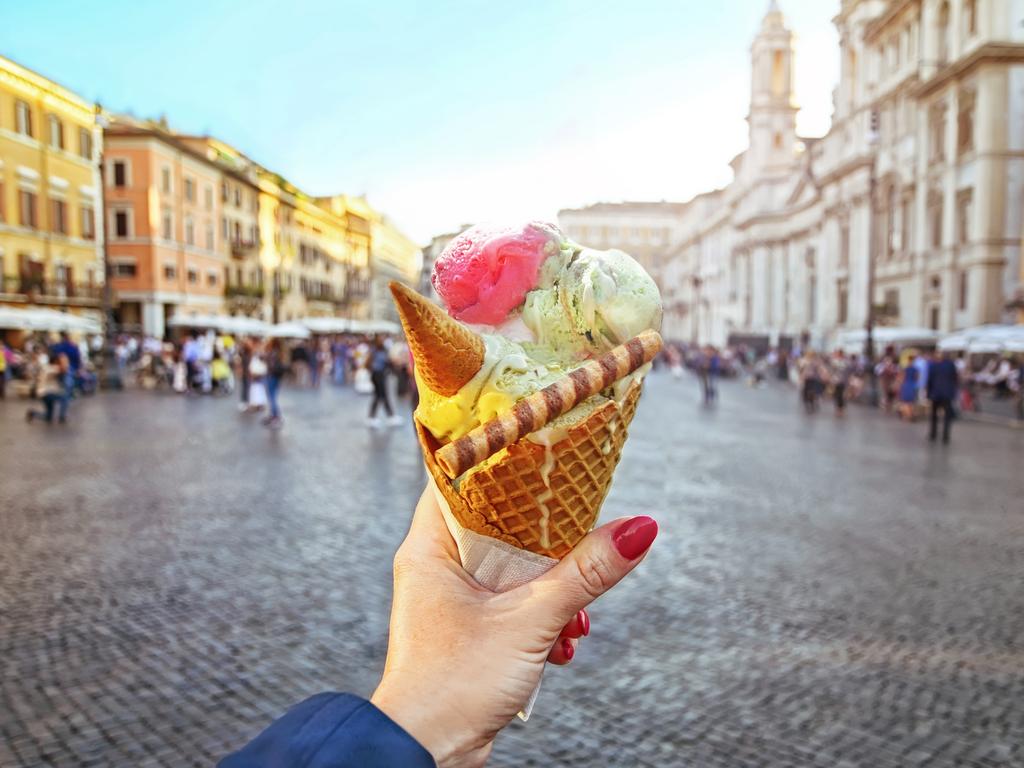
943 382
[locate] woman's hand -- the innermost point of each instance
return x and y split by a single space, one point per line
463 660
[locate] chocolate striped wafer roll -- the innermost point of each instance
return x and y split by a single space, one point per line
537 410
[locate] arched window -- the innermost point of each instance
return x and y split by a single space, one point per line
943 33
778 74
970 19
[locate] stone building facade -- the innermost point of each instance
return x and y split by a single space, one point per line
51 204
914 197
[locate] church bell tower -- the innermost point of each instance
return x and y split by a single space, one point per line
772 117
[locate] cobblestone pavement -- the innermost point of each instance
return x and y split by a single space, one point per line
824 593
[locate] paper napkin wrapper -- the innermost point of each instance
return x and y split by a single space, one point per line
495 565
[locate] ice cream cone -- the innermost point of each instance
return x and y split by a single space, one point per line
544 493
447 353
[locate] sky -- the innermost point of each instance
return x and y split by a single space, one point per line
443 112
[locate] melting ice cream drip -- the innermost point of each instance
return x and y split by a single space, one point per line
547 437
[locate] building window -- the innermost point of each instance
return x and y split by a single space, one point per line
964 208
844 246
124 269
170 272
208 198
237 238
87 217
190 229
970 20
907 225
935 220
890 223
193 276
23 118
211 279
937 131
56 131
962 301
892 302
933 321
122 227
59 217
120 173
190 189
965 123
224 228
85 143
223 191
28 209
238 197
167 225
165 180
843 304
943 33
209 235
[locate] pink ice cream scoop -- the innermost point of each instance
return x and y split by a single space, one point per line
486 272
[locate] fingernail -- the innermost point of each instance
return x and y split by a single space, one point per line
584 622
568 650
635 536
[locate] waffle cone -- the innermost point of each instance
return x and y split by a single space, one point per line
541 499
447 353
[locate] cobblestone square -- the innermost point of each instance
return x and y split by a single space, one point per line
824 592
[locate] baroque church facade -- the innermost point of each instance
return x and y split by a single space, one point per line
913 198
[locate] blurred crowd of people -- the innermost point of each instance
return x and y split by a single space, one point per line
219 364
909 382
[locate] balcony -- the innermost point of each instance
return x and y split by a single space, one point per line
244 291
242 248
35 290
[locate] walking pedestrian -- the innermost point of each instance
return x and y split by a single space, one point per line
276 369
812 380
380 364
842 370
908 389
244 358
943 382
55 389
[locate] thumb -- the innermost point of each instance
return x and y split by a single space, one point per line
597 564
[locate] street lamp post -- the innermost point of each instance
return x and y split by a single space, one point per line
869 320
697 283
111 375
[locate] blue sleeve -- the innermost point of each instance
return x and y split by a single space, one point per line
331 730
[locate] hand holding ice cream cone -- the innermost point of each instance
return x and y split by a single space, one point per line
479 666
522 421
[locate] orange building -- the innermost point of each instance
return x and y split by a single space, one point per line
166 247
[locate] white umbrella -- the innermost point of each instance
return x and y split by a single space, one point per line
288 331
246 326
958 342
17 319
325 324
194 321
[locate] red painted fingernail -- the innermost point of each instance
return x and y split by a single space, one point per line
568 650
635 536
584 622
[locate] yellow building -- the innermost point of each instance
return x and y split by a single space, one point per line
393 256
306 252
50 252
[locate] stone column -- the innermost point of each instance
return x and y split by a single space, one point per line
153 319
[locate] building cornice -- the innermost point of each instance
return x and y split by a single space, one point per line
986 54
874 28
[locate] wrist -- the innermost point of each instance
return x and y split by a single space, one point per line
424 718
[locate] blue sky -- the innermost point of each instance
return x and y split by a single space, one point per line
442 112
